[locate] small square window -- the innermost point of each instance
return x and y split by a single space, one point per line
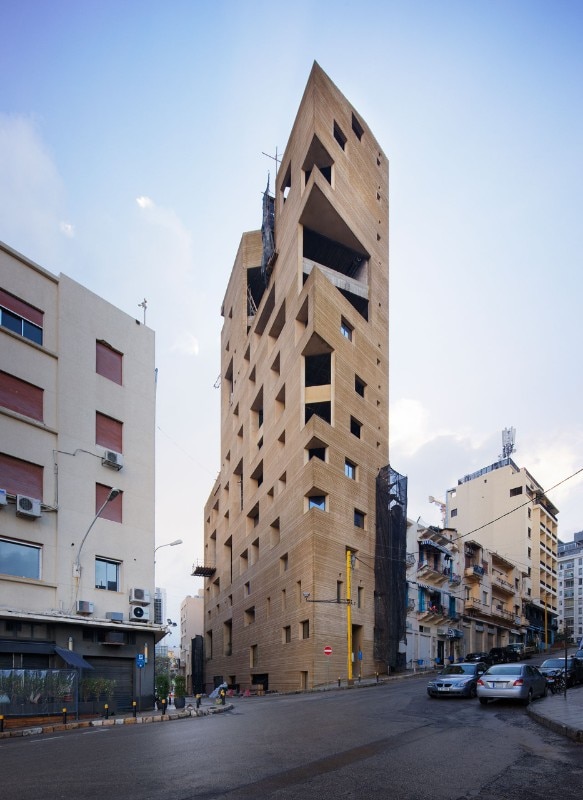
359 385
107 575
346 330
305 629
339 135
355 427
359 518
286 637
350 470
317 501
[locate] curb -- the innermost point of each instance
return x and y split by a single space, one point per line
576 734
109 723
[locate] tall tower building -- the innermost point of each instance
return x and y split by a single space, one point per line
504 509
290 522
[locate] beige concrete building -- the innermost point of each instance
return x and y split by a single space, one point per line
77 412
504 509
304 418
191 626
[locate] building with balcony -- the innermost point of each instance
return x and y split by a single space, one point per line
289 526
504 509
434 595
570 556
77 413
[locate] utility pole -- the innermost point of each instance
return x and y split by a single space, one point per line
349 614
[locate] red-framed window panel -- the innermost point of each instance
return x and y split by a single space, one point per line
21 477
20 307
108 362
21 396
113 509
108 432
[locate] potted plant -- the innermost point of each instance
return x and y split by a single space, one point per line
162 689
179 691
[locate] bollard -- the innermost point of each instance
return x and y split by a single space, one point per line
1 723
64 716
377 677
359 677
164 706
339 680
134 707
106 707
198 696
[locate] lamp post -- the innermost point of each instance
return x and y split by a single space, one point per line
168 544
77 564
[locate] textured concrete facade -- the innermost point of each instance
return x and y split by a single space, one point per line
304 415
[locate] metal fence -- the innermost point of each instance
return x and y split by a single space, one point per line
36 692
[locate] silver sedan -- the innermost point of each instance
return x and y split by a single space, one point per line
456 680
512 682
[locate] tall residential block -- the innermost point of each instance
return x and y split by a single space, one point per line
77 413
504 509
290 522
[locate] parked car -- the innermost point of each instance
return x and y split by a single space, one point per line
456 680
579 655
573 673
511 682
474 658
499 655
516 652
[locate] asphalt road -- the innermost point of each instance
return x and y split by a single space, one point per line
386 741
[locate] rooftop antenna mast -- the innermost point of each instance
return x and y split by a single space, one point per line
508 437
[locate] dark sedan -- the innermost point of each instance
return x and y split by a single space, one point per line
474 658
573 673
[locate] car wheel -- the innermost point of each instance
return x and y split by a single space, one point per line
483 701
528 699
473 692
545 691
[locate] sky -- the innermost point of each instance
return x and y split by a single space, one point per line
135 144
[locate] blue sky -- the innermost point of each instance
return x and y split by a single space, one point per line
132 141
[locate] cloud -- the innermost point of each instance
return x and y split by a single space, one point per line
144 202
186 343
67 229
32 196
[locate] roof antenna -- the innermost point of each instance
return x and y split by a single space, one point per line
508 436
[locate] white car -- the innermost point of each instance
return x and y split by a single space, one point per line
511 682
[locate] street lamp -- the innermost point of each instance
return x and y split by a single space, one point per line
77 564
169 544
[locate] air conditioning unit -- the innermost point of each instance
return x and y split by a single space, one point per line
3 500
112 459
84 607
27 506
141 596
139 614
114 616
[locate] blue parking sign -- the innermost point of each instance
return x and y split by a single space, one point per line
140 660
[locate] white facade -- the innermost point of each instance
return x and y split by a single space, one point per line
70 576
571 587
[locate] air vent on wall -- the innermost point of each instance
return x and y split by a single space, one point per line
139 614
112 459
141 596
27 506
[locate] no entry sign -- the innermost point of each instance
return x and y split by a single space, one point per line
328 651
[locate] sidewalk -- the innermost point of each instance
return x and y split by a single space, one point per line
561 714
24 727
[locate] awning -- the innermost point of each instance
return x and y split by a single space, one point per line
73 659
431 543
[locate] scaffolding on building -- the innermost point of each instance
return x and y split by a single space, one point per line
390 567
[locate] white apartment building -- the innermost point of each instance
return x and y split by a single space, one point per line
571 587
77 423
191 627
504 509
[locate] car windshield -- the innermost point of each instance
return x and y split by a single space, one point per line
459 669
504 669
554 663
